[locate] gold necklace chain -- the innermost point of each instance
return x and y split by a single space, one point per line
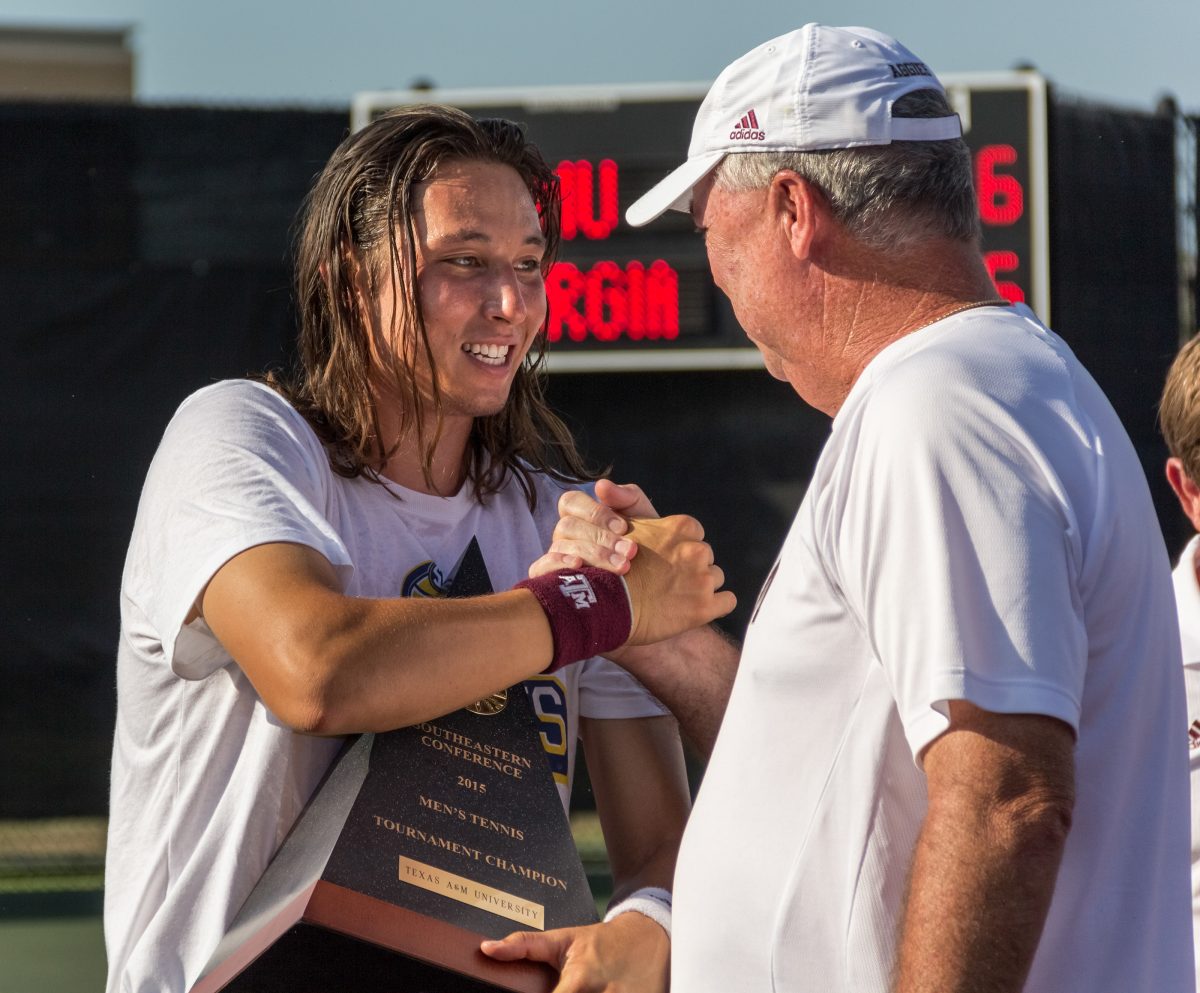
994 302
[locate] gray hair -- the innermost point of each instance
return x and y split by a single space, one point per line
886 196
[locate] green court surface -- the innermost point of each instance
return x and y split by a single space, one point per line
51 933
51 955
51 936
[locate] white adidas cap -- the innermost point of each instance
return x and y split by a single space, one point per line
816 87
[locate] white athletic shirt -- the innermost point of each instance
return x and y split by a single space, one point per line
206 782
978 527
1187 602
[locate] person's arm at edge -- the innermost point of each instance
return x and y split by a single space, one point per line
629 761
1001 794
640 782
692 676
327 663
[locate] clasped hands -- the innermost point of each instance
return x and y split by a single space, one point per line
674 583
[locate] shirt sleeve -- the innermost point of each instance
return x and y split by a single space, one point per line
237 467
959 556
608 691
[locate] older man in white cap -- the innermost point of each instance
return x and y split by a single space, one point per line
951 759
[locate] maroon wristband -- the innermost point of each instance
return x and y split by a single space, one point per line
588 609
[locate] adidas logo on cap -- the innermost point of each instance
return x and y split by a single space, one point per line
747 129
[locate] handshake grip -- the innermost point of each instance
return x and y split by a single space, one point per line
588 609
674 582
673 585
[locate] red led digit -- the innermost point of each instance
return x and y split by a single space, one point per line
1001 198
998 262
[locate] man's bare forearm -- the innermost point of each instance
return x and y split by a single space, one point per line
691 674
974 913
985 865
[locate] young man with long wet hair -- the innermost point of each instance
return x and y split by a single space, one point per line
285 580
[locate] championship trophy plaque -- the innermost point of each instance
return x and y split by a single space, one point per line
418 844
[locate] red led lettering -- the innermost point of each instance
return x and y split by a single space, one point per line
588 207
608 301
566 196
662 301
564 287
635 292
998 262
1001 198
606 307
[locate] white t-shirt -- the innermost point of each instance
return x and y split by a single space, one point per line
1187 602
978 527
206 782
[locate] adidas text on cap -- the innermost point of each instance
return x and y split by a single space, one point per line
813 88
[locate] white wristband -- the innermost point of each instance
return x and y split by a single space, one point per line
650 901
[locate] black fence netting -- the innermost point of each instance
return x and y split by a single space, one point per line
1114 264
143 253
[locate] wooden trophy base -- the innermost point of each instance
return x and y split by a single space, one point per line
332 939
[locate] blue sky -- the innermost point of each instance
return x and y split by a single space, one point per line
319 52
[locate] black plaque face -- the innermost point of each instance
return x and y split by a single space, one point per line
452 827
459 818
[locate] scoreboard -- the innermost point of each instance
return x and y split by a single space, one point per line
624 298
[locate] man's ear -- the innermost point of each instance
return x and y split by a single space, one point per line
356 274
1186 490
800 208
347 274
